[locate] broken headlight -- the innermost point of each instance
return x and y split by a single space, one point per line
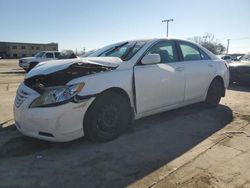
54 96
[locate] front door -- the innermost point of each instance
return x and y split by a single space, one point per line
162 84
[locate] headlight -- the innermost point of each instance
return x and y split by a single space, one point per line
57 95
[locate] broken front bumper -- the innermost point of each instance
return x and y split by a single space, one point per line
61 123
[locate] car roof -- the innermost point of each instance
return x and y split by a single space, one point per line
157 39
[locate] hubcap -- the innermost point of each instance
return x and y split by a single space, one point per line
108 118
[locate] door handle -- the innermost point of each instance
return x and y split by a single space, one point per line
179 69
210 64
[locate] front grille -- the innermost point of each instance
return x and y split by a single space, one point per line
20 97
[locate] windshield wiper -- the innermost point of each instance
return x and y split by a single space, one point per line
125 55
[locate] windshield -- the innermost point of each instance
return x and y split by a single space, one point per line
124 50
39 54
245 57
88 53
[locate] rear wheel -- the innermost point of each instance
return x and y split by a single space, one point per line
107 117
214 93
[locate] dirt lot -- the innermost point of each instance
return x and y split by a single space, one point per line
188 147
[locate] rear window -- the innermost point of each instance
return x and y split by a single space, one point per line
190 52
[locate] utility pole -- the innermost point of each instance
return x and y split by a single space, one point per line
168 20
228 41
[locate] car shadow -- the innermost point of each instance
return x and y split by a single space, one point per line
150 144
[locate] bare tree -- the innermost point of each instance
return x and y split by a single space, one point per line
66 53
209 42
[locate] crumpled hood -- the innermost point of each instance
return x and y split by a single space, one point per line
49 67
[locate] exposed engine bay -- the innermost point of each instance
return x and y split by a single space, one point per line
61 77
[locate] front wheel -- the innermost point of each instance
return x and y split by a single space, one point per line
106 117
214 94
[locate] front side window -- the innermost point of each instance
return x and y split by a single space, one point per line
49 55
190 52
166 50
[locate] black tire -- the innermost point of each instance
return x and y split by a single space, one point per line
214 94
107 117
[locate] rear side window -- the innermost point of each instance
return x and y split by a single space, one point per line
49 55
166 50
204 56
190 52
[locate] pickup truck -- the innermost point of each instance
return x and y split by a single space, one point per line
28 63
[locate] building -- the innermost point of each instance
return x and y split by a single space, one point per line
18 50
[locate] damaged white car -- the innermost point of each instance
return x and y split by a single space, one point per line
99 96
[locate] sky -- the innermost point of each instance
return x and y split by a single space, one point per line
90 24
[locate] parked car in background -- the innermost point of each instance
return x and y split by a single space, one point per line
240 71
98 96
28 63
227 58
236 56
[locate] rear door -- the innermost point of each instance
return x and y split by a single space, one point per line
199 70
162 84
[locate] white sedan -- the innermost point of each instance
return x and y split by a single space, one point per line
99 96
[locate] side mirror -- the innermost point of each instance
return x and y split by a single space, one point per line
151 59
